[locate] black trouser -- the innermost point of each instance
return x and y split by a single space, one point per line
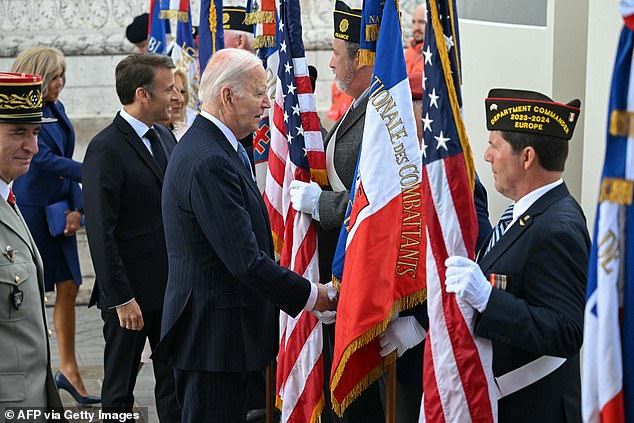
367 408
212 397
122 356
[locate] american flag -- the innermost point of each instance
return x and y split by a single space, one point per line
458 379
296 152
608 349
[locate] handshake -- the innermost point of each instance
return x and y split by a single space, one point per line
326 305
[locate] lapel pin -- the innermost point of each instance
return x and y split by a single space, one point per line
10 252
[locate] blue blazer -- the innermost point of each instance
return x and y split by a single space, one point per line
53 176
544 256
224 287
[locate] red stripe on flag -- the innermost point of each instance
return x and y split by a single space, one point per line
303 84
317 159
295 342
433 406
278 118
277 220
466 354
460 186
310 121
277 168
311 399
614 410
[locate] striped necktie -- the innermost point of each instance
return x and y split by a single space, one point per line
244 157
501 226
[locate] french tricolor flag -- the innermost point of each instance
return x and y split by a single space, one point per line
380 258
608 348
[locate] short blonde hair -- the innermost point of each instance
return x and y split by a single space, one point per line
47 62
180 73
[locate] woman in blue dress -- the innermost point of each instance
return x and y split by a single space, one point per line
54 176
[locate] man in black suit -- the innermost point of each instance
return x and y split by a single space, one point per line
529 282
224 287
122 179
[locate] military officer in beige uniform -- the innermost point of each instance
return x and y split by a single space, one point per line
25 372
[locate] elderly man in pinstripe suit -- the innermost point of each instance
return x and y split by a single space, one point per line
224 287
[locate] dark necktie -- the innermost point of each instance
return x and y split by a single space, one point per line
242 152
157 149
501 226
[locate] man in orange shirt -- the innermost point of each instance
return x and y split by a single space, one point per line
414 59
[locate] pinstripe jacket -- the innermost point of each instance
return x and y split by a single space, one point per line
224 288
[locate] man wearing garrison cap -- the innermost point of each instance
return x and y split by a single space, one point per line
25 367
530 278
237 34
329 206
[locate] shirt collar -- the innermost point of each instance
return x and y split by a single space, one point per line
4 189
529 199
139 127
225 130
363 95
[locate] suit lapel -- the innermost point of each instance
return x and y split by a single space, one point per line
520 226
207 125
15 222
133 139
351 118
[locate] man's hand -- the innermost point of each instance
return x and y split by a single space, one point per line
305 197
328 317
73 223
465 278
130 316
400 335
323 299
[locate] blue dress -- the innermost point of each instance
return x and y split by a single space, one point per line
52 177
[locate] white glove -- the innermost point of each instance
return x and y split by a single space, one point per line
305 197
327 317
401 335
333 294
465 278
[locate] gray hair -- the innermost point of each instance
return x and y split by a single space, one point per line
226 68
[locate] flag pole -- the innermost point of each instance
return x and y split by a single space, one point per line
270 391
390 395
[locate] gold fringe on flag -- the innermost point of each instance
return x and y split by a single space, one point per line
617 191
319 407
278 243
621 123
366 57
320 176
372 32
212 25
264 41
174 14
260 17
401 304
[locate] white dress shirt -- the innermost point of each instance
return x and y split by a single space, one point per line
529 199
